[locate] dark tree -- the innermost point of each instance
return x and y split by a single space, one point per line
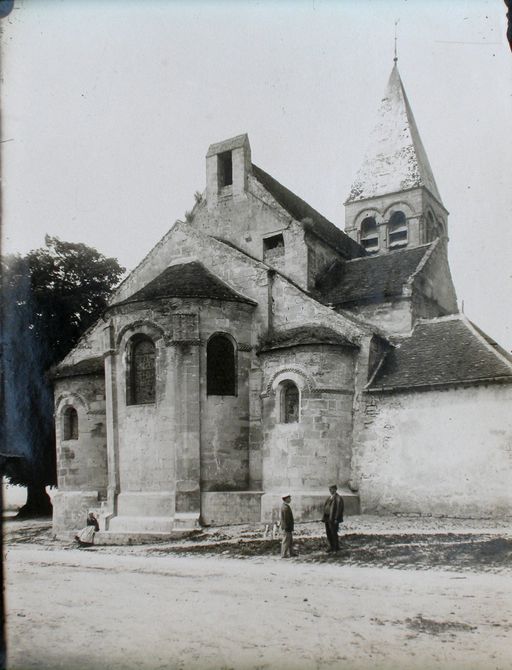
49 298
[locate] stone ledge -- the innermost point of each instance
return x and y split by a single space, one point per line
107 538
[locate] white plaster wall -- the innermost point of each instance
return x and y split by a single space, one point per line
437 452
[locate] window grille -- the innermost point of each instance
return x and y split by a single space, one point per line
369 234
398 234
143 376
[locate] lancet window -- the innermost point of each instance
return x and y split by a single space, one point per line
70 424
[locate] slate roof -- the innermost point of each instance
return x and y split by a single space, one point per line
308 334
396 159
317 225
88 366
372 277
442 351
186 280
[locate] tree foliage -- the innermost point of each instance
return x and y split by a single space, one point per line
49 299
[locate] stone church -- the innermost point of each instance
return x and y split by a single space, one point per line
259 350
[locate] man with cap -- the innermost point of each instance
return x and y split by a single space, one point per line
286 527
333 516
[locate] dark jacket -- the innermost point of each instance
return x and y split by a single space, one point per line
333 509
286 518
93 522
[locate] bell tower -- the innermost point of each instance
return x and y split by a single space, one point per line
394 202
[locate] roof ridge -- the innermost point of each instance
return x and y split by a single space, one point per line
436 319
301 211
426 257
139 296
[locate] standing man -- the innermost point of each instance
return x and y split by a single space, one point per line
286 527
333 516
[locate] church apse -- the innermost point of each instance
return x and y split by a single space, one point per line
307 418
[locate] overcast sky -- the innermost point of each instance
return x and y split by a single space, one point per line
109 108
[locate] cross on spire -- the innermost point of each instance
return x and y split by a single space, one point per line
395 59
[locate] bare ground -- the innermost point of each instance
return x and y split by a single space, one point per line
402 593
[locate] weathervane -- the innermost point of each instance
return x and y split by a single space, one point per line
395 59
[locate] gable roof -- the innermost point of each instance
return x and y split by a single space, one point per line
316 223
396 159
186 280
372 277
441 351
307 334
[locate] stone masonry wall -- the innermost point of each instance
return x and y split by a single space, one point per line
218 508
444 453
145 431
433 292
248 221
305 455
411 202
82 463
320 257
393 317
155 447
225 419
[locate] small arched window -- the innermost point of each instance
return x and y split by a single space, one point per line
290 403
397 230
369 234
70 424
142 375
220 366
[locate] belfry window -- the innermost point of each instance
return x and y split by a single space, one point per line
70 431
369 234
220 366
225 169
290 403
142 376
397 230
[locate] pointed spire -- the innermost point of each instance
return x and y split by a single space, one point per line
396 159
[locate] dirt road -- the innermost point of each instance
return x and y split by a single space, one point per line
92 610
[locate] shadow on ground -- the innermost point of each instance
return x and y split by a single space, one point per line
477 552
450 551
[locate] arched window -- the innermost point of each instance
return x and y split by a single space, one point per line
70 424
369 234
142 375
397 230
290 403
220 366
